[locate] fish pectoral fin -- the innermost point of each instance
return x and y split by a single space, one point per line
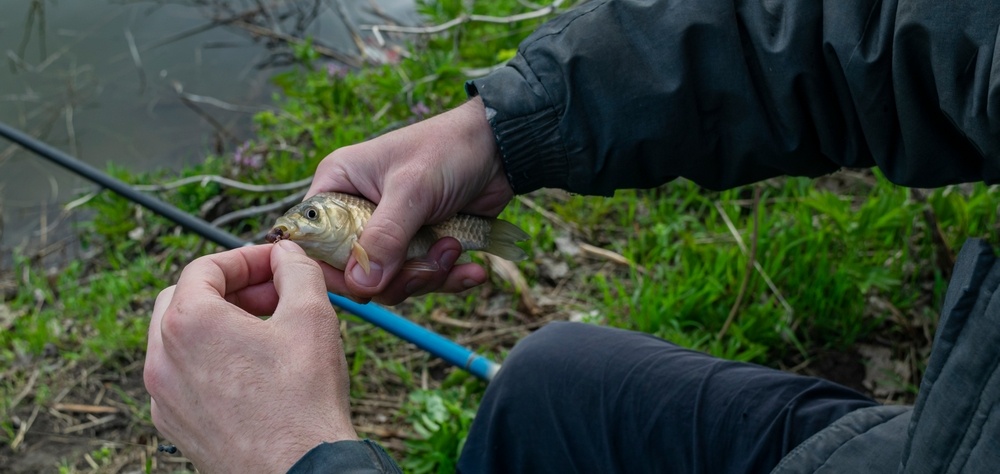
359 254
421 265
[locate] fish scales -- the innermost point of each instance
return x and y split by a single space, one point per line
328 225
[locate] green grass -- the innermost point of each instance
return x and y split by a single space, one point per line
852 258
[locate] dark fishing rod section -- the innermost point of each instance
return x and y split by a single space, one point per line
395 324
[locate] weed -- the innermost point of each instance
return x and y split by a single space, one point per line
841 260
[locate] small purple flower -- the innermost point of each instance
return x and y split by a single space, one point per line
244 156
336 70
419 110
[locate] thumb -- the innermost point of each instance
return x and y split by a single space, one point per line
299 283
385 239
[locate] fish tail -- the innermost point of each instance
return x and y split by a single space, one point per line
503 241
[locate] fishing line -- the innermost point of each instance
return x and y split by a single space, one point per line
423 338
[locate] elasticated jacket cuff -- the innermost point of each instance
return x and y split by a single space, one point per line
346 457
527 131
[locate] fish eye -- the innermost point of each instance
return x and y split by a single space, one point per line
312 213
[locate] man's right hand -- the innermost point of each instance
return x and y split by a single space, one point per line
421 174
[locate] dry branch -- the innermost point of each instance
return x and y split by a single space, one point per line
461 20
90 424
255 210
80 408
211 178
323 50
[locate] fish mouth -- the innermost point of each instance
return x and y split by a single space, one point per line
279 232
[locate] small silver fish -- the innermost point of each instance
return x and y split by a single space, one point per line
327 226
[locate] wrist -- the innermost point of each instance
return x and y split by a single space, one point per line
479 132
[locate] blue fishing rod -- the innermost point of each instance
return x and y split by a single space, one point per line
393 323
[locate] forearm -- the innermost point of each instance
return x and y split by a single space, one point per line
619 94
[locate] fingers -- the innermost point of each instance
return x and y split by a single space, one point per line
154 342
259 300
300 287
334 173
385 238
226 272
448 278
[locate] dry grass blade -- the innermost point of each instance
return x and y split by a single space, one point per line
749 267
756 264
439 316
23 430
80 408
508 271
90 424
609 255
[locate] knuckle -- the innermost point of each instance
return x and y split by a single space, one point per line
178 324
151 377
390 237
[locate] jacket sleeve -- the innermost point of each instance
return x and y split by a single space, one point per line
346 457
633 93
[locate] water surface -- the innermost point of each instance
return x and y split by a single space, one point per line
70 77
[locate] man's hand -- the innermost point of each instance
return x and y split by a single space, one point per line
237 393
418 175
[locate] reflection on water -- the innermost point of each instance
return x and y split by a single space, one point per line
99 79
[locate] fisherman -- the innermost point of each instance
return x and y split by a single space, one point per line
612 95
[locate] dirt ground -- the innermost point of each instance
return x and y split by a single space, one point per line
95 416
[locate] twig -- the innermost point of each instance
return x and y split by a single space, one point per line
465 18
27 389
23 430
70 129
303 21
90 424
323 50
351 29
572 229
492 335
221 129
275 24
136 60
508 271
789 312
943 254
255 210
609 255
37 6
190 32
379 12
749 267
439 316
203 99
77 39
80 408
381 432
204 179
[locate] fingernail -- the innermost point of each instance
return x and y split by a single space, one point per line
288 246
448 258
469 283
371 279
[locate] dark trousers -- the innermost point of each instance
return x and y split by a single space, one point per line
582 398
